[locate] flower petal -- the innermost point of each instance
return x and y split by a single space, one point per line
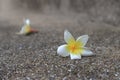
62 51
83 39
72 56
87 52
68 36
27 21
23 30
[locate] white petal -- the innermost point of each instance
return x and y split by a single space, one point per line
83 39
27 21
22 30
62 51
72 56
68 36
87 52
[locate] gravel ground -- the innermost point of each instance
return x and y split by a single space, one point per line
34 57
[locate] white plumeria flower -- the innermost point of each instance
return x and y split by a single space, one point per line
26 29
74 48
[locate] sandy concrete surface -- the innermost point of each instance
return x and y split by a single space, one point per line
34 57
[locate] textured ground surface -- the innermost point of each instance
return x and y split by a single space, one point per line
34 57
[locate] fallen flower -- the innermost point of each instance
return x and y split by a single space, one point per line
74 48
26 29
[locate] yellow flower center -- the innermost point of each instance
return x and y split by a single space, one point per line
74 47
27 28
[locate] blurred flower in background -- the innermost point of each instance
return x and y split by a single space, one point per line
26 29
